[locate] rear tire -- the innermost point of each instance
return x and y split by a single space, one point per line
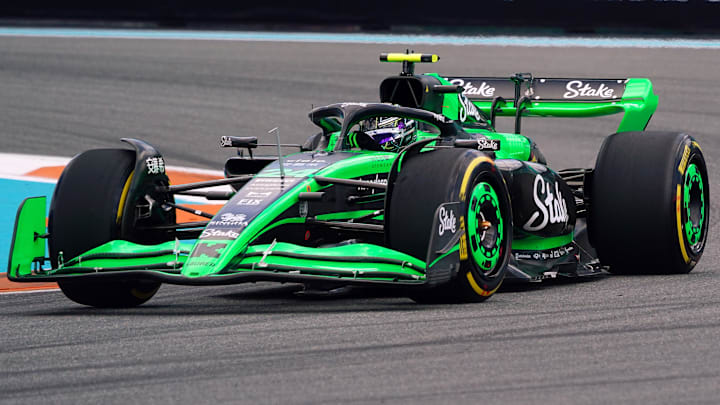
84 214
437 177
650 203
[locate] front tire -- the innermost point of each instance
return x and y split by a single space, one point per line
650 203
84 214
448 175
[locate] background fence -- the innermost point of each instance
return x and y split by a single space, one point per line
689 16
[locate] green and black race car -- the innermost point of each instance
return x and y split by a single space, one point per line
417 192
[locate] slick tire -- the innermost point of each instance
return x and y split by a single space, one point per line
448 175
84 214
650 203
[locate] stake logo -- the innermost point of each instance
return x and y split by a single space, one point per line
488 144
217 233
448 222
551 207
467 109
576 88
483 90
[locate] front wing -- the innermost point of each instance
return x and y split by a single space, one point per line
358 263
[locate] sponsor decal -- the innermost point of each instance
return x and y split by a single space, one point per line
200 263
684 161
544 254
217 233
249 201
257 194
440 117
577 88
483 90
290 172
305 162
478 88
485 144
551 207
155 165
376 180
463 240
265 184
343 105
225 141
303 209
467 109
447 221
230 219
301 165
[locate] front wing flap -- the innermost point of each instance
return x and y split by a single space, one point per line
349 264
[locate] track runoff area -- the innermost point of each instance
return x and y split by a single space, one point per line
23 176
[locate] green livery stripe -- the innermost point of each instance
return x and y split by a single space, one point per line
454 249
123 255
364 261
331 269
343 215
357 261
540 243
357 250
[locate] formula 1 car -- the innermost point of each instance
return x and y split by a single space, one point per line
417 192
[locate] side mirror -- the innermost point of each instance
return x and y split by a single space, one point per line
250 142
312 143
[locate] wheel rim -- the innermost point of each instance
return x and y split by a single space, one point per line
694 208
485 228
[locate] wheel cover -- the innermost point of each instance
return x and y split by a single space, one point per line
694 207
485 227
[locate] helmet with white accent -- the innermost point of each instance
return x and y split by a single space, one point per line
390 133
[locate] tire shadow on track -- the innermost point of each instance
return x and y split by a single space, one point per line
517 286
285 299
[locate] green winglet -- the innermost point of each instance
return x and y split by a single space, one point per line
357 261
28 242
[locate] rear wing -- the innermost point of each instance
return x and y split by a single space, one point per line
519 95
525 95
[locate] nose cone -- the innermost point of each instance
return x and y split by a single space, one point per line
207 257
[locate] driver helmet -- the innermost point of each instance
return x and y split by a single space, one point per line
390 133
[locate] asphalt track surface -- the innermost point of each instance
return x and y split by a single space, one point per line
641 339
